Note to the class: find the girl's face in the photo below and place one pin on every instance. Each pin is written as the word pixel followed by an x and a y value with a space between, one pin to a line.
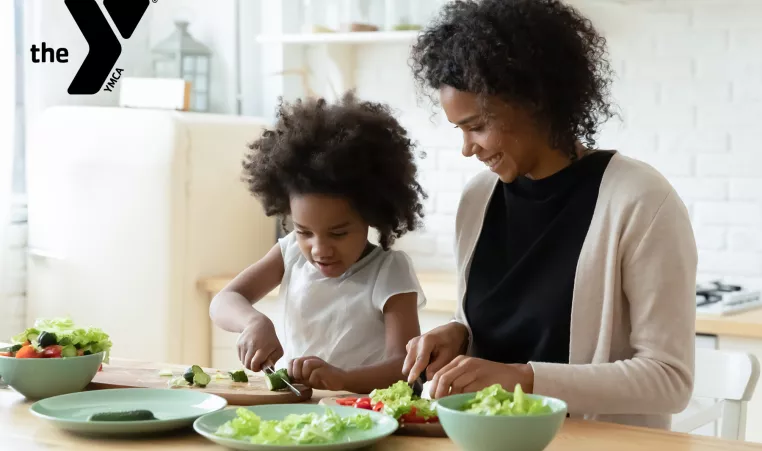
pixel 507 140
pixel 331 234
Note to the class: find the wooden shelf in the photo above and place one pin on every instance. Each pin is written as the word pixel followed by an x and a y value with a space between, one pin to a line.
pixel 375 37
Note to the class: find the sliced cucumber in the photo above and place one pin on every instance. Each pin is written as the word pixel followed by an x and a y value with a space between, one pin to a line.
pixel 13 348
pixel 201 379
pixel 275 381
pixel 165 373
pixel 196 376
pixel 69 351
pixel 130 415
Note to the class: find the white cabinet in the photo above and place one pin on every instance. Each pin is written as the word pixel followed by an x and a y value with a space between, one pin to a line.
pixel 128 209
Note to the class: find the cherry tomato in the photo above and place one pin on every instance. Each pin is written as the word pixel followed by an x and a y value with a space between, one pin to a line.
pixel 52 352
pixel 100 368
pixel 433 420
pixel 80 352
pixel 363 403
pixel 346 401
pixel 379 405
pixel 27 352
pixel 412 419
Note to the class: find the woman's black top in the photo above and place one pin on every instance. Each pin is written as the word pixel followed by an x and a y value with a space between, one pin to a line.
pixel 521 280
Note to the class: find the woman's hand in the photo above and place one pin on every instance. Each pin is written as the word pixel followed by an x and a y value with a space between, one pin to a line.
pixel 469 374
pixel 433 350
pixel 258 344
pixel 317 373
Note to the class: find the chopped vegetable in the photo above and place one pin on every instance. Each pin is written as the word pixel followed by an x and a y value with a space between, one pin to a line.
pixel 398 401
pixel 165 373
pixel 52 351
pixel 63 333
pixel 132 415
pixel 494 400
pixel 275 380
pixel 28 352
pixel 196 376
pixel 69 351
pixel 309 429
pixel 239 376
pixel 46 339
pixel 178 382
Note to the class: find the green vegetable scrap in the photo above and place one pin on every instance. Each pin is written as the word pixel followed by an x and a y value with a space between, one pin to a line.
pixel 309 429
pixel 239 376
pixel 399 400
pixel 494 400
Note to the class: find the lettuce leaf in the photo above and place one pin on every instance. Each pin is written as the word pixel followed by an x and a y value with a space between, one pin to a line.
pixel 398 400
pixel 90 339
pixel 308 429
pixel 494 400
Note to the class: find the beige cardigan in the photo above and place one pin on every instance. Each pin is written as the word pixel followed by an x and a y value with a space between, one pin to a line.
pixel 632 338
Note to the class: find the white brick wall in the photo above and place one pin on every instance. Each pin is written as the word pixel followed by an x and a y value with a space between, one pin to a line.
pixel 689 85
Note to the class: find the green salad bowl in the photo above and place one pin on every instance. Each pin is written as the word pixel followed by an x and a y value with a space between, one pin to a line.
pixel 473 432
pixel 43 378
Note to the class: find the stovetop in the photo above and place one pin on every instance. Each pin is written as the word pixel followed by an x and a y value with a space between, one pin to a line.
pixel 720 298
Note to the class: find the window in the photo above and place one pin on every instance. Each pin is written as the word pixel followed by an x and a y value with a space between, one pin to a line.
pixel 19 155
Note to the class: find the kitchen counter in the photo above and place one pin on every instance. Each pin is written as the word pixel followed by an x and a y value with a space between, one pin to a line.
pixel 439 288
pixel 20 430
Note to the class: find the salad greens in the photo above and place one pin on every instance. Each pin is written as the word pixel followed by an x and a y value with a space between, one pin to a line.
pixel 398 400
pixel 494 400
pixel 63 332
pixel 308 429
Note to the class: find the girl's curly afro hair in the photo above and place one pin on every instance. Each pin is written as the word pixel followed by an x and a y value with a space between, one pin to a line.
pixel 352 149
pixel 540 54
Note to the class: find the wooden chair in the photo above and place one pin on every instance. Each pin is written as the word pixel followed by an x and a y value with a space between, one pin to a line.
pixel 728 379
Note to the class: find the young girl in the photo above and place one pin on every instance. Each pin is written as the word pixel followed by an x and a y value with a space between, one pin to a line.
pixel 350 307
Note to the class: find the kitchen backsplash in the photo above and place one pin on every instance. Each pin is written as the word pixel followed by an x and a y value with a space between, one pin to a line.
pixel 689 88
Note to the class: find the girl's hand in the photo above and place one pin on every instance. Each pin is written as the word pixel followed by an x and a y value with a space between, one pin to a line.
pixel 258 344
pixel 317 373
pixel 433 350
pixel 469 374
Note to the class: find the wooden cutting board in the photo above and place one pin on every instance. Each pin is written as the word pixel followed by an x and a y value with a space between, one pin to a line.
pixel 131 374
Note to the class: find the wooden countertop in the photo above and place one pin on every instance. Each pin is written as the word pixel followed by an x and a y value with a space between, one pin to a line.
pixel 439 288
pixel 20 430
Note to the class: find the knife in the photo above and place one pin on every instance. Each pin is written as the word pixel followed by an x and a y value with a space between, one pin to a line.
pixel 417 385
pixel 269 370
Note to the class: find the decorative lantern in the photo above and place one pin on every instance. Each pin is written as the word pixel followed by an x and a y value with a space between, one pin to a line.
pixel 181 56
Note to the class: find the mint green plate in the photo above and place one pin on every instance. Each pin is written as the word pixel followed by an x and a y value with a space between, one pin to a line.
pixel 384 426
pixel 174 409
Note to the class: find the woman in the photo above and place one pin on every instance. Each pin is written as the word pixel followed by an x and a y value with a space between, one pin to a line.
pixel 576 268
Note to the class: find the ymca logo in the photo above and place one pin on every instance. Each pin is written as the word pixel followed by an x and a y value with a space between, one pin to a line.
pixel 104 46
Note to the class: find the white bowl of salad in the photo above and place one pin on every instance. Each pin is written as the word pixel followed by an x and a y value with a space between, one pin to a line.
pixel 54 357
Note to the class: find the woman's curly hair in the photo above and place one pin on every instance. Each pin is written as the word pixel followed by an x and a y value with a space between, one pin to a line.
pixel 352 149
pixel 540 54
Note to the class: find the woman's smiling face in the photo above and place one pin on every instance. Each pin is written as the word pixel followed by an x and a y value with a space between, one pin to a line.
pixel 505 138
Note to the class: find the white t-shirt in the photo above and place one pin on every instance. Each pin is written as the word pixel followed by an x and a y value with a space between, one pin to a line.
pixel 341 319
